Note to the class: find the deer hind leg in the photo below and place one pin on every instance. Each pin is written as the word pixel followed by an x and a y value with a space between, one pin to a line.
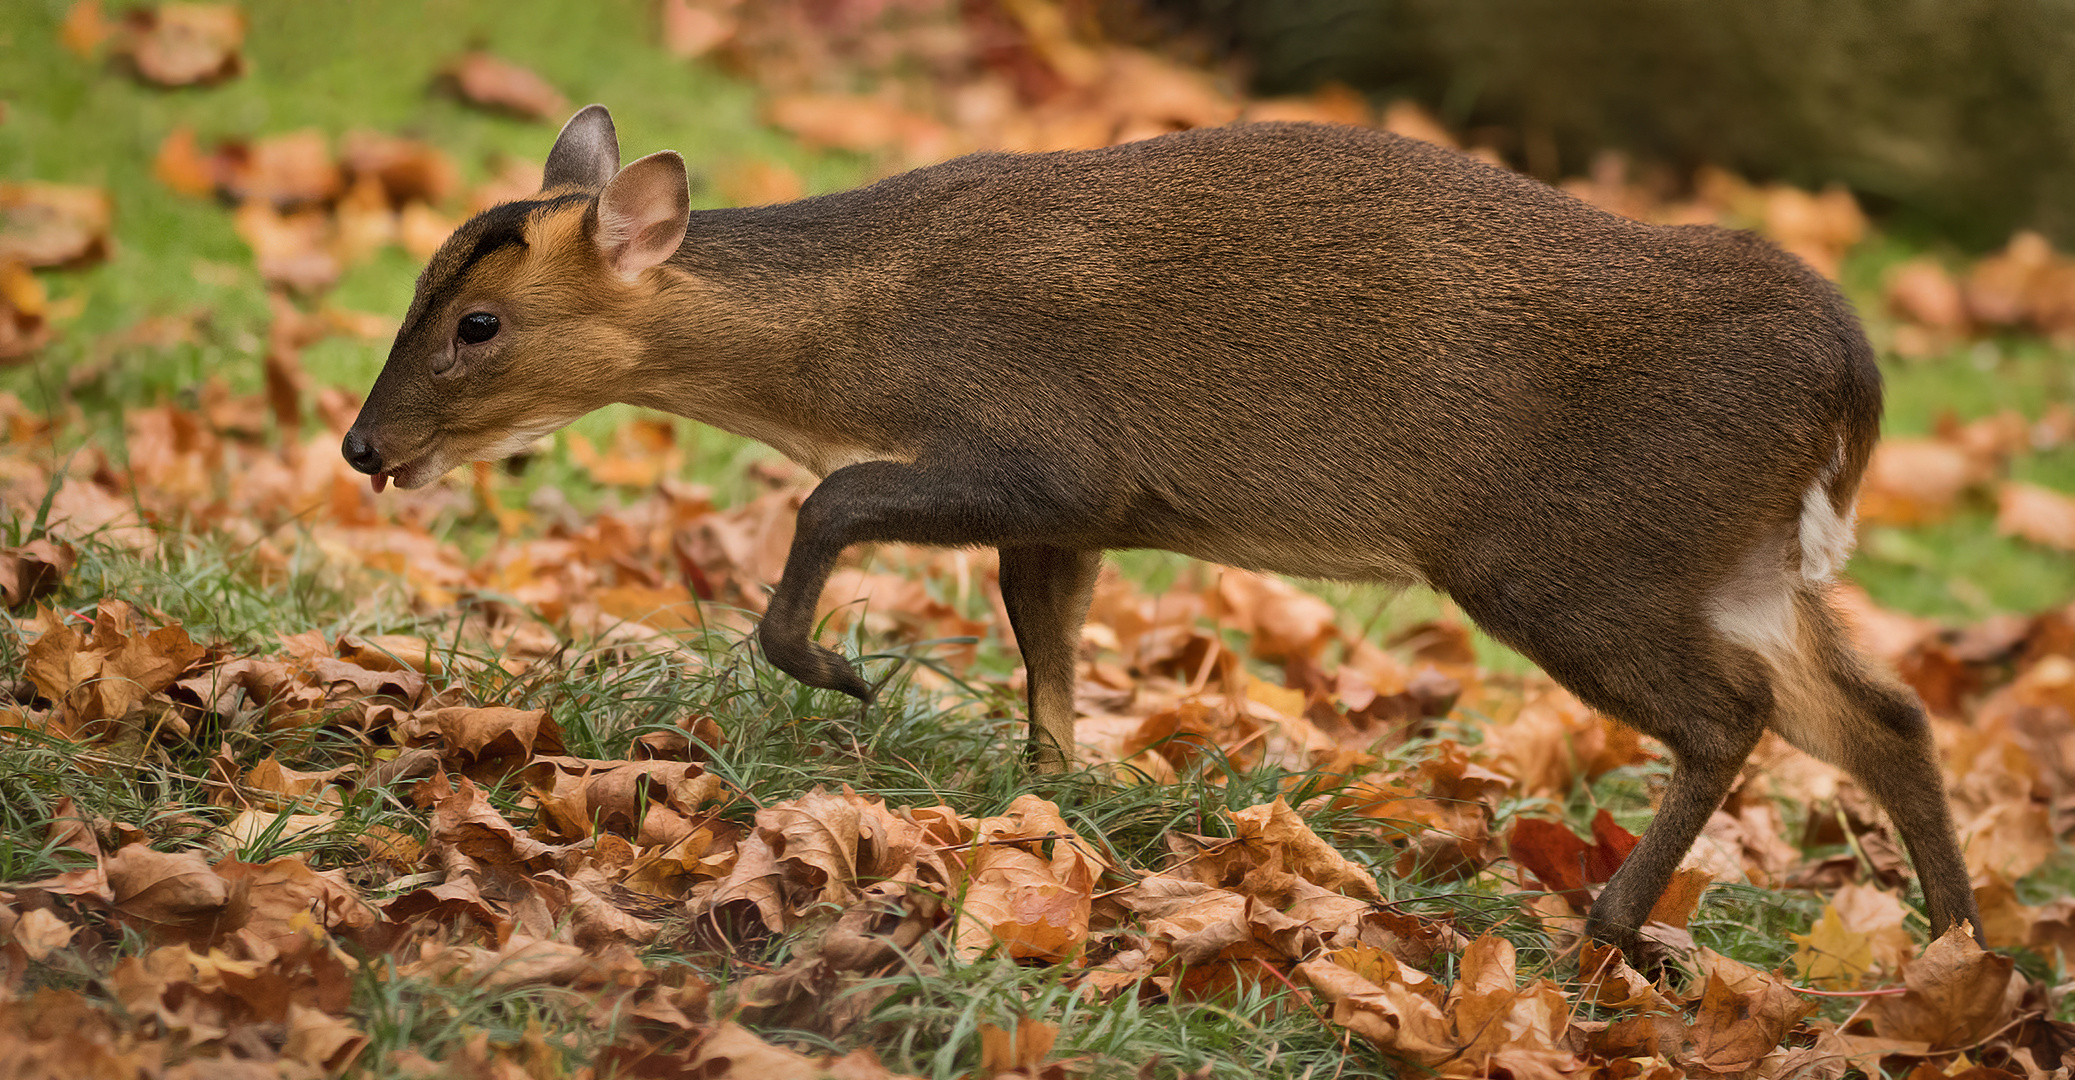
pixel 1666 674
pixel 1047 590
pixel 1833 706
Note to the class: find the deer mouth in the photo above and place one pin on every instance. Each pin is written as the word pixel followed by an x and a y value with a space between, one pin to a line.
pixel 415 473
pixel 437 457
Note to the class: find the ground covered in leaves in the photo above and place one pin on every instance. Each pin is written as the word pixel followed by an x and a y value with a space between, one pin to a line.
pixel 488 779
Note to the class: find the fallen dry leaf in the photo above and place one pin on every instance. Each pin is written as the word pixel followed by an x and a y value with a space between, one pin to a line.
pixel 404 170
pixel 1018 898
pixel 308 788
pixel 1564 864
pixel 174 890
pixel 1223 942
pixel 732 1052
pixel 290 170
pixel 1999 288
pixel 1820 228
pixel 1957 995
pixel 1332 103
pixel 85 28
pixel 818 850
pixel 1492 1013
pixel 1280 619
pixel 181 165
pixel 485 744
pixel 693 28
pixel 179 44
pixel 496 83
pixel 24 310
pixel 1443 812
pixel 1923 292
pixel 1831 955
pixel 464 821
pixel 287 899
pixel 1917 481
pixel 104 676
pixel 60 1035
pixel 527 961
pixel 40 933
pixel 292 250
pixel 1744 1014
pixel 54 225
pixel 1616 985
pixel 1410 119
pixel 34 570
pixel 255 826
pixel 515 179
pixel 1400 1012
pixel 2040 515
pixel 861 125
pixel 1022 1046
pixel 1273 837
pixel 759 182
pixel 1879 915
pixel 320 1040
pixel 421 229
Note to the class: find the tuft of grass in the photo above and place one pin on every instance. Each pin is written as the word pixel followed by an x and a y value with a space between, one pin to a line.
pixel 409 1018
pixel 38 772
pixel 1751 924
pixel 929 1025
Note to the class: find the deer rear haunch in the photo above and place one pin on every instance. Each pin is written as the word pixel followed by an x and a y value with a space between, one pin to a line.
pixel 1629 451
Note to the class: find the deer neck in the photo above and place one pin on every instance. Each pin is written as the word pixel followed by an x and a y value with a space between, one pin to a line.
pixel 752 330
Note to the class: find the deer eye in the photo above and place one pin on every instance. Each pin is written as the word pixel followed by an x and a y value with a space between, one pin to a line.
pixel 477 327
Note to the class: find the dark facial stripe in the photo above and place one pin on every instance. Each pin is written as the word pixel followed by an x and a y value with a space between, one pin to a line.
pixel 495 229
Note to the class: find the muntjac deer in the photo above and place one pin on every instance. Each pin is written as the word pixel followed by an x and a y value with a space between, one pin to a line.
pixel 1628 451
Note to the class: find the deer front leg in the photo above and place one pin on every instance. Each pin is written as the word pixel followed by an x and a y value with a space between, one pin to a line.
pixel 881 501
pixel 1046 590
pixel 1704 770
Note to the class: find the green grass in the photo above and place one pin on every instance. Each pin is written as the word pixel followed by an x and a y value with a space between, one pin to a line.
pixel 929 1026
pixel 424 1018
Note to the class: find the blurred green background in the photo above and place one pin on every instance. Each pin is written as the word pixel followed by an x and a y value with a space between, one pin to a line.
pixel 1953 117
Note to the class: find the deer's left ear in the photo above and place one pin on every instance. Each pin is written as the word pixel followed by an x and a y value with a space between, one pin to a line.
pixel 586 154
pixel 642 214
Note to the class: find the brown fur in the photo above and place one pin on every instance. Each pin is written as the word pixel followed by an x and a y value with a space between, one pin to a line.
pixel 1313 350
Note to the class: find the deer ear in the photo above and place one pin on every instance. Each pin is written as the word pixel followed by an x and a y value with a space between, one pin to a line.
pixel 586 154
pixel 642 214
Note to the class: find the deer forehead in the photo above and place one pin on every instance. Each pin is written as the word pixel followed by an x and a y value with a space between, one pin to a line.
pixel 514 249
pixel 559 247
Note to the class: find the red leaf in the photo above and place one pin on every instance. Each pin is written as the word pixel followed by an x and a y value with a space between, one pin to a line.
pixel 1553 855
pixel 1610 848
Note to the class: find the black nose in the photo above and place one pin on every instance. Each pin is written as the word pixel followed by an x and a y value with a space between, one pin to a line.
pixel 361 454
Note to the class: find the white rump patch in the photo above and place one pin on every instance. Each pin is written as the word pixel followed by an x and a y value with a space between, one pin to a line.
pixel 1827 537
pixel 1755 608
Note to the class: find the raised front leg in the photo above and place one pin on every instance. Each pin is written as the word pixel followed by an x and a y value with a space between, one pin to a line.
pixel 880 501
pixel 1047 590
